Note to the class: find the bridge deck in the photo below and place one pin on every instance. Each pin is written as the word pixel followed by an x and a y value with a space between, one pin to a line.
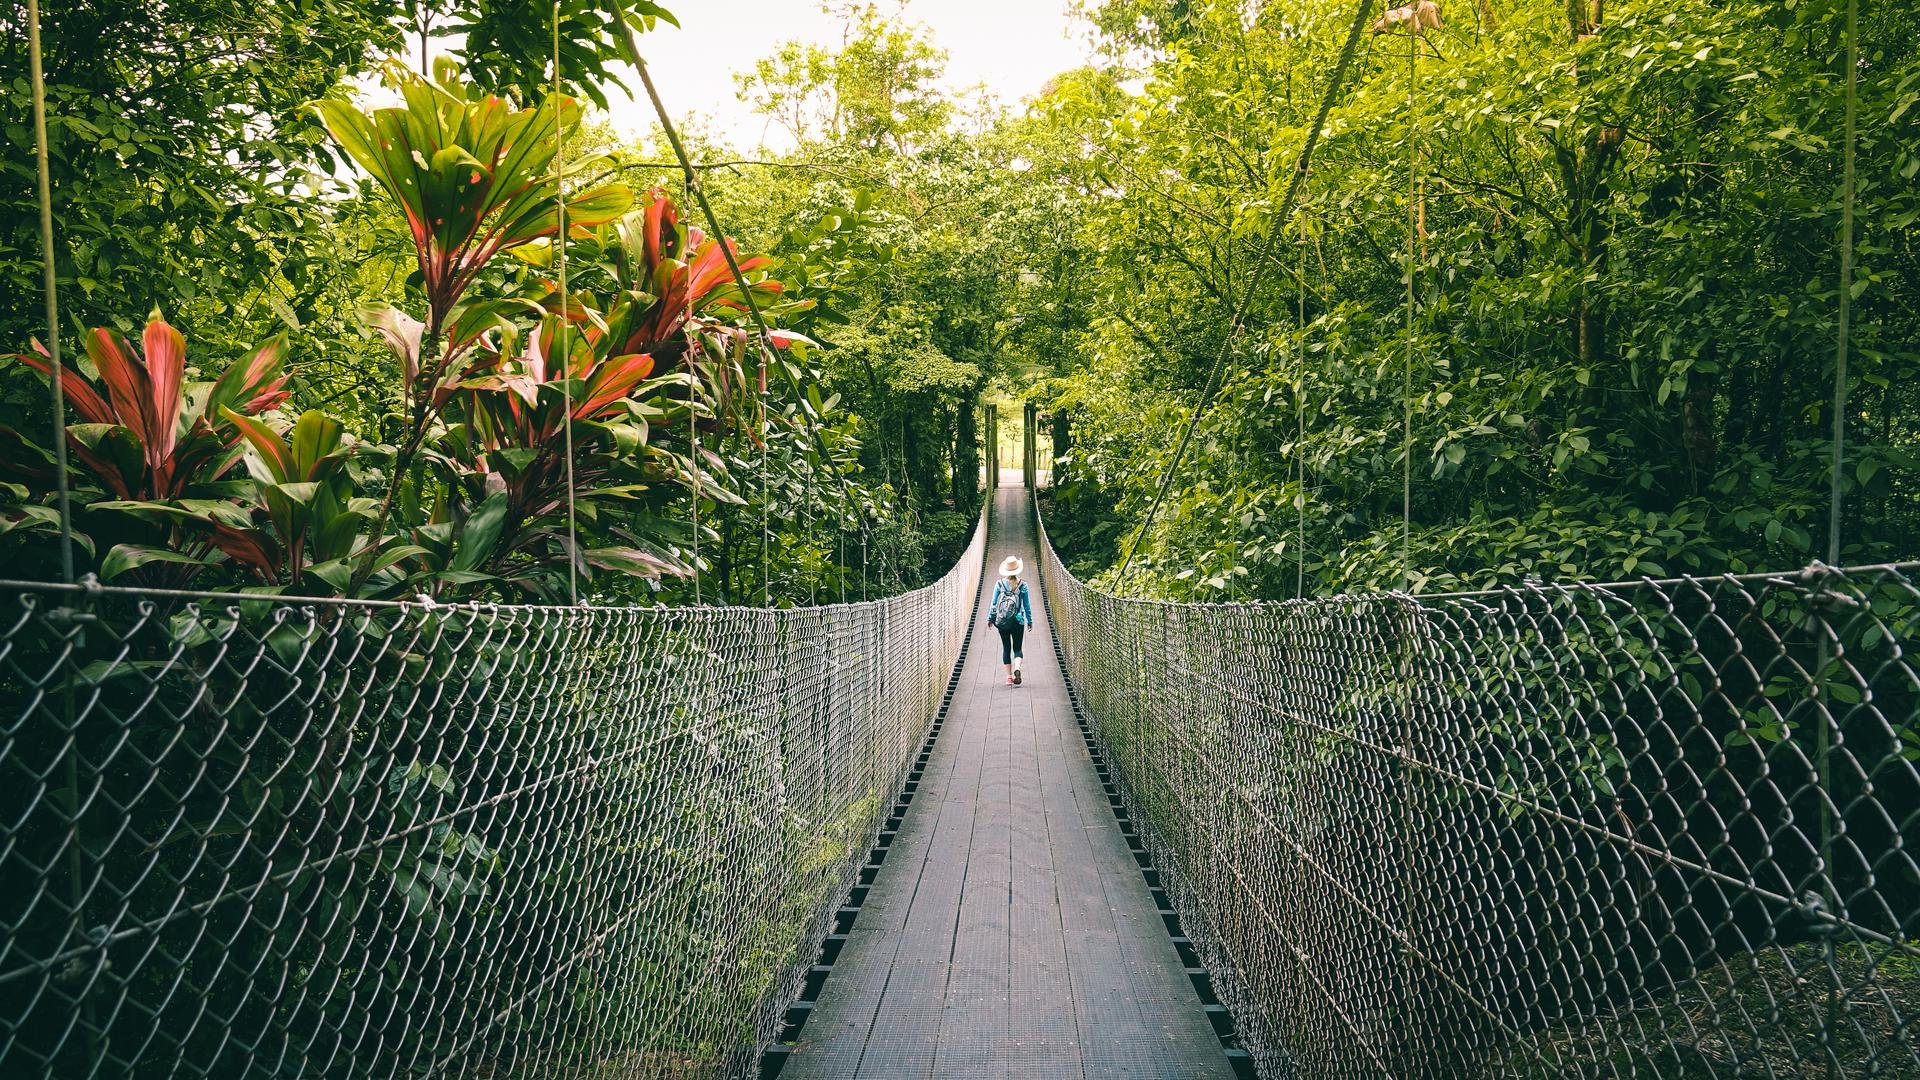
pixel 1009 933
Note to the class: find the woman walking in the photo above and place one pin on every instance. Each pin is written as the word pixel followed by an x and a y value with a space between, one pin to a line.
pixel 1010 612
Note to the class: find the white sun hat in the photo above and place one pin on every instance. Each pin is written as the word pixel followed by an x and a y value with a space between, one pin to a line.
pixel 1012 566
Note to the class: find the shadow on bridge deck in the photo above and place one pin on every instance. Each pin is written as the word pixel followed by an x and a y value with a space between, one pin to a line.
pixel 1009 933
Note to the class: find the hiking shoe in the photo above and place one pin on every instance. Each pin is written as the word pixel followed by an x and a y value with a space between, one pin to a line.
pixel 1009 680
pixel 1016 676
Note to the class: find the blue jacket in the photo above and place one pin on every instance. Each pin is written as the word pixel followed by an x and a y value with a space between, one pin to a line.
pixel 1025 609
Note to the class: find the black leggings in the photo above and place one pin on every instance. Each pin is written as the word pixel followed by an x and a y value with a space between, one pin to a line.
pixel 1010 640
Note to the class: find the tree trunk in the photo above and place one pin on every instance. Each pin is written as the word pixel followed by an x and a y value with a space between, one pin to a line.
pixel 909 455
pixel 966 463
pixel 1585 168
pixel 1697 429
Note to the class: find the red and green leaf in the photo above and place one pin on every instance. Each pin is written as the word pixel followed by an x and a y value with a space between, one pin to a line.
pixel 166 363
pixel 473 176
pixel 135 437
pixel 74 386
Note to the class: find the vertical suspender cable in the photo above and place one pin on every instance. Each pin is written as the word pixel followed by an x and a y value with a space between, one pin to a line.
pixel 693 460
pixel 561 343
pixel 1300 433
pixel 766 500
pixel 1829 722
pixel 76 865
pixel 43 180
pixel 1413 238
pixel 1408 609
pixel 1836 478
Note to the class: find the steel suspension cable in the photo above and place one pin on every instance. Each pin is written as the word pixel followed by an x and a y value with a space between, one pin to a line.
pixel 694 448
pixel 1263 259
pixel 693 186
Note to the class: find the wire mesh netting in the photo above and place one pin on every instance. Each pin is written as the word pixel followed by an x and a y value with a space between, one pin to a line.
pixel 1660 828
pixel 250 837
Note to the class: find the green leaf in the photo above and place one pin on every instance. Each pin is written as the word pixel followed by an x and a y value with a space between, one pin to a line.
pixel 315 437
pixel 125 557
pixel 631 561
pixel 480 533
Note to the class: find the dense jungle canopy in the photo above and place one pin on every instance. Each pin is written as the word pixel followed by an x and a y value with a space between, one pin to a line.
pixel 1616 358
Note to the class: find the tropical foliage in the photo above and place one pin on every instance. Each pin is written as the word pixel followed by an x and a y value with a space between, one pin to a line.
pixel 158 448
pixel 1623 225
pixel 545 436
pixel 1620 361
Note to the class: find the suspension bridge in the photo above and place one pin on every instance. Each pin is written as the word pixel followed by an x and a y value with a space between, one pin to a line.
pixel 1649 828
pixel 1642 828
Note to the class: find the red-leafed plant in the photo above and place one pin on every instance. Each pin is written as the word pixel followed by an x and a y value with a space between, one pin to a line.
pixel 145 438
pixel 671 279
pixel 152 439
pixel 522 401
pixel 515 406
pixel 302 483
pixel 474 177
pixel 669 294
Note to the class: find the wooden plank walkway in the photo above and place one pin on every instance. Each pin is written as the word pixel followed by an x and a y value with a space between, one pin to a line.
pixel 1009 933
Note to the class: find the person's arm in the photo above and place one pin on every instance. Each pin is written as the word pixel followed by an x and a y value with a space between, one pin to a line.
pixel 1026 608
pixel 994 601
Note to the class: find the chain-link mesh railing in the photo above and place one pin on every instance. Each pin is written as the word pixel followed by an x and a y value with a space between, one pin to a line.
pixel 250 837
pixel 1646 829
